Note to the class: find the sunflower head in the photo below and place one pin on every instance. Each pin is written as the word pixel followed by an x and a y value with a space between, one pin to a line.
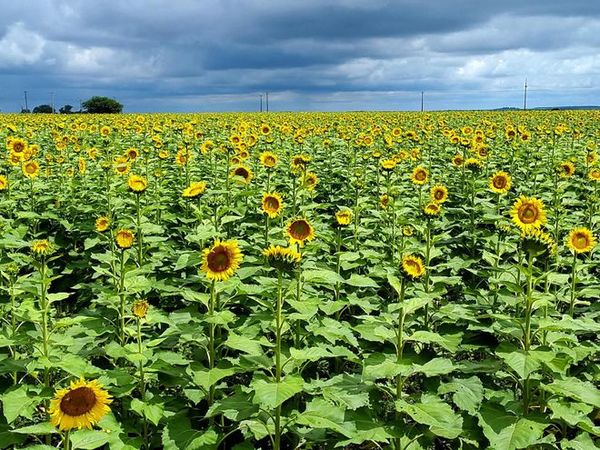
pixel 581 240
pixel 102 224
pixel 419 175
pixel 31 169
pixel 281 258
pixel 3 183
pixel 412 267
pixel 41 247
pixel 194 190
pixel 566 169
pixel 407 230
pixel 220 261
pixel 137 183
pixel 537 242
pixel 594 175
pixel 81 405
pixel 384 201
pixel 500 182
pixel 458 160
pixel 299 162
pixel 432 209
pixel 299 231
pixel 388 165
pixel 310 181
pixel 140 308
pixel 473 164
pixel 343 217
pixel 268 159
pixel 528 213
pixel 242 173
pixel 124 238
pixel 439 194
pixel 272 204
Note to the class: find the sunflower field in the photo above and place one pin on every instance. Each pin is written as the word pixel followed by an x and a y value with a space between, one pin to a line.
pixel 300 281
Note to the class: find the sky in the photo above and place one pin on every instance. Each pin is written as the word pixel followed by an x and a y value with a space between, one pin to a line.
pixel 310 55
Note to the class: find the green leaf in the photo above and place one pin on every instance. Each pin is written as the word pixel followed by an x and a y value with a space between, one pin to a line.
pixel 20 401
pixel 37 429
pixel 467 393
pixel 243 344
pixel 270 394
pixel 151 411
pixel 88 439
pixel 361 281
pixel 236 407
pixel 518 360
pixel 322 414
pixel 435 367
pixel 322 276
pixel 448 341
pixel 207 378
pixel 436 414
pixel 582 391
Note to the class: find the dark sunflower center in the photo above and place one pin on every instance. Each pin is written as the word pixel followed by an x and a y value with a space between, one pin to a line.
pixel 218 260
pixel 271 204
pixel 300 230
pixel 30 168
pixel 420 175
pixel 18 147
pixel 78 401
pixel 528 213
pixel 439 195
pixel 499 182
pixel 241 172
pixel 269 161
pixel 580 241
pixel 413 267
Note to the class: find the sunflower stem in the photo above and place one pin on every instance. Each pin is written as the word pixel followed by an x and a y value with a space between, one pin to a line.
pixel 573 281
pixel 142 382
pixel 278 368
pixel 67 440
pixel 211 340
pixel 399 353
pixel 138 225
pixel 122 296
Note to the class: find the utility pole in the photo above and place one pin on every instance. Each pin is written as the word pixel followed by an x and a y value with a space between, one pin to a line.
pixel 422 101
pixel 26 107
pixel 261 102
pixel 52 101
pixel 267 98
pixel 525 96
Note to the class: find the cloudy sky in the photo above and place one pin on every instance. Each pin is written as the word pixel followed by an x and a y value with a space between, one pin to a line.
pixel 219 55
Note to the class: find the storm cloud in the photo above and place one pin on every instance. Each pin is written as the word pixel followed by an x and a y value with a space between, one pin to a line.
pixel 212 55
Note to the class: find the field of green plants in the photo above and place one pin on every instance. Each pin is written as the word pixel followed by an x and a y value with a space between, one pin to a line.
pixel 300 281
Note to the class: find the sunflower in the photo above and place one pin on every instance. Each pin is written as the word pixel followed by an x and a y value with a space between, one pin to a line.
pixel 41 247
pixel 206 147
pixel 102 223
pixel 500 182
pixel 124 238
pixel 299 162
pixel 244 173
pixel 419 175
pixel 566 169
pixel 17 145
pixel 121 165
pixel 413 267
pixel 31 169
pixel 194 190
pixel 432 209
pixel 132 153
pixel 310 181
pixel 537 242
pixel 268 159
pixel 384 201
pixel 407 230
pixel 105 131
pixel 140 308
pixel 220 261
pixel 594 175
pixel 581 240
pixel 137 184
pixel 3 183
pixel 282 258
pixel 387 164
pixel 528 212
pixel 272 204
pixel 439 194
pixel 473 163
pixel 265 129
pixel 343 217
pixel 81 405
pixel 299 231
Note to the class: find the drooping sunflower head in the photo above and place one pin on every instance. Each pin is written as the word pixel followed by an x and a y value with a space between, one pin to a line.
pixel 343 217
pixel 41 247
pixel 310 181
pixel 528 213
pixel 537 242
pixel 566 169
pixel 412 267
pixel 31 169
pixel 242 173
pixel 384 201
pixel 473 164
pixel 268 159
pixel 81 405
pixel 124 238
pixel 272 204
pixel 299 231
pixel 282 258
pixel 439 194
pixel 419 175
pixel 3 183
pixel 594 175
pixel 581 240
pixel 194 190
pixel 220 261
pixel 388 164
pixel 102 224
pixel 500 182
pixel 140 308
pixel 432 209
pixel 121 165
pixel 137 183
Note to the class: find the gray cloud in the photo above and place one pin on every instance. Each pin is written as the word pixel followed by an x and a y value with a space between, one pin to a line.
pixel 189 55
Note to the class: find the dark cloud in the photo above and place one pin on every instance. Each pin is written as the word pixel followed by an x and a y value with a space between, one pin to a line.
pixel 316 54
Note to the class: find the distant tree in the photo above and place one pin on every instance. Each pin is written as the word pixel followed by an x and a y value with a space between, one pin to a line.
pixel 25 111
pixel 102 105
pixel 67 109
pixel 43 109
